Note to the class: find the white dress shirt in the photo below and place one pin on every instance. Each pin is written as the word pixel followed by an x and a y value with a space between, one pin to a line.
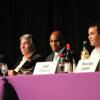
pixel 20 65
pixel 95 54
pixel 56 55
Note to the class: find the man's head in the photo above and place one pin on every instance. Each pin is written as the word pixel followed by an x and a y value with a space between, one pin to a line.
pixel 56 41
pixel 27 44
pixel 94 34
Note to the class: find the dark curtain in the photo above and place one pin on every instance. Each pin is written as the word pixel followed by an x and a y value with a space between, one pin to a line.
pixel 40 17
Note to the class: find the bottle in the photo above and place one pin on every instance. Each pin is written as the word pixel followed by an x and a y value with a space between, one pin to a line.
pixel 84 52
pixel 60 66
pixel 74 65
pixel 68 60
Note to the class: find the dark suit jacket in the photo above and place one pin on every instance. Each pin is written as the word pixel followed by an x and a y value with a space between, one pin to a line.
pixel 98 66
pixel 35 57
pixel 50 57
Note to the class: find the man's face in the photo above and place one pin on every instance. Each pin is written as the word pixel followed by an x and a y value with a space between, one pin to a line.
pixel 54 43
pixel 94 36
pixel 25 46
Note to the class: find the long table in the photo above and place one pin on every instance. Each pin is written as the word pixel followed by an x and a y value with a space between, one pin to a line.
pixel 73 86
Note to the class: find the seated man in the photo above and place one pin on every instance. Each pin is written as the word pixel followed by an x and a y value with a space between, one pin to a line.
pixel 57 44
pixel 30 54
pixel 94 38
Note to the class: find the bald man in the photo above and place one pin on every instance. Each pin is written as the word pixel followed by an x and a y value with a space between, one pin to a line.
pixel 57 43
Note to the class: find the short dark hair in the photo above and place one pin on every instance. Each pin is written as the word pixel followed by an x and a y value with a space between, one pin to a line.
pixel 97 24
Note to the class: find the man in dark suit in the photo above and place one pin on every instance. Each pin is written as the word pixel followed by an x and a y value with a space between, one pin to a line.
pixel 30 54
pixel 57 43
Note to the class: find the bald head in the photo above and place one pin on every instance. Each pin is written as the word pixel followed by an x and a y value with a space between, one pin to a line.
pixel 57 41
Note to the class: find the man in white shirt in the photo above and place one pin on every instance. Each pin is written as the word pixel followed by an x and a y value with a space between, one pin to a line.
pixel 94 38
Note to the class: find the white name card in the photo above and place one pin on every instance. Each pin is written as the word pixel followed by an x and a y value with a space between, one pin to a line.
pixel 45 68
pixel 86 65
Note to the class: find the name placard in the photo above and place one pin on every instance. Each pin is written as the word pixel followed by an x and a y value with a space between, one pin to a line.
pixel 45 68
pixel 86 65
